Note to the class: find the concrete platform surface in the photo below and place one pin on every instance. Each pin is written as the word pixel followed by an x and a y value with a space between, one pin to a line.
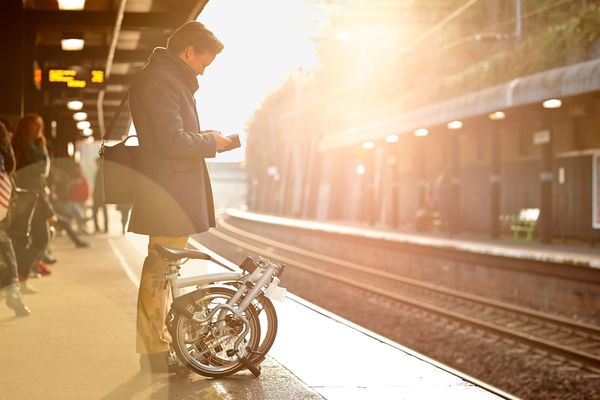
pixel 79 342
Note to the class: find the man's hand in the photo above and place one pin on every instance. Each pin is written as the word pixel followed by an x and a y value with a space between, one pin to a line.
pixel 220 140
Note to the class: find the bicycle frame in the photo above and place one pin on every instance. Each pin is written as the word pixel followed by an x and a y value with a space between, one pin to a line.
pixel 249 282
pixel 196 280
pixel 258 277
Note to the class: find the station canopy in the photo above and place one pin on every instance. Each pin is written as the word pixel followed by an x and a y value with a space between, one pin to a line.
pixel 560 83
pixel 89 50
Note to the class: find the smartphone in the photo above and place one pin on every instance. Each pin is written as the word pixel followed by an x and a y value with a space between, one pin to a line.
pixel 235 143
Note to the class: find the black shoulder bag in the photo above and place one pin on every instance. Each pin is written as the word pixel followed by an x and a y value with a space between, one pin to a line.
pixel 119 165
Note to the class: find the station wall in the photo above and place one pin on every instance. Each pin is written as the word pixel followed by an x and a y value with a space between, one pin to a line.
pixel 387 186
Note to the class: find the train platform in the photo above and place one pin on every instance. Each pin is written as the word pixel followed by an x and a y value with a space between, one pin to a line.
pixel 79 343
pixel 581 256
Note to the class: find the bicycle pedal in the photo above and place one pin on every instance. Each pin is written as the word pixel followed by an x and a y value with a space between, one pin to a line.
pixel 257 357
pixel 255 369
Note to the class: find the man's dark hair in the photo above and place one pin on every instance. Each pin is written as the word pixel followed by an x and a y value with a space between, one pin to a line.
pixel 195 34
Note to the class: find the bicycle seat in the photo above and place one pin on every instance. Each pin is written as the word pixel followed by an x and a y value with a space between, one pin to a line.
pixel 171 254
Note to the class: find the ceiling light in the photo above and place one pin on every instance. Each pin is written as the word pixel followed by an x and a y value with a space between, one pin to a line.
pixel 71 4
pixel 75 105
pixel 552 103
pixel 368 145
pixel 83 124
pixel 421 132
pixel 70 149
pixel 455 125
pixel 392 138
pixel 80 116
pixel 88 132
pixel 72 44
pixel 497 116
pixel 360 169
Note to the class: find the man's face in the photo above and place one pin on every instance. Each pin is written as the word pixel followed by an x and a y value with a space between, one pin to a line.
pixel 197 61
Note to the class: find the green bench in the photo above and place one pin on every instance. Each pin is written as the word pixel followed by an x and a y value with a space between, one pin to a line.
pixel 525 222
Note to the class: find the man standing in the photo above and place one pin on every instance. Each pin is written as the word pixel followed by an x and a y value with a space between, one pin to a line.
pixel 173 196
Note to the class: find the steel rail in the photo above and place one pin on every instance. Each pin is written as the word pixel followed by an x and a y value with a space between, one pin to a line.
pixel 588 330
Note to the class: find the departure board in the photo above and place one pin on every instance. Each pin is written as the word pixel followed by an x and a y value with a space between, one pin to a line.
pixel 75 78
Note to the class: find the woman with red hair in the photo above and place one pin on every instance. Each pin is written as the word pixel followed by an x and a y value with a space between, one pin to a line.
pixel 33 166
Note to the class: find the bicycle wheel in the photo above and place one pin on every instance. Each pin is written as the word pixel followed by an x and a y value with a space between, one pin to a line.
pixel 209 348
pixel 267 316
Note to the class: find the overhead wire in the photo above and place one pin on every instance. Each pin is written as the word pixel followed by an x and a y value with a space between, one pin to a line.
pixel 465 6
pixel 508 21
pixel 451 16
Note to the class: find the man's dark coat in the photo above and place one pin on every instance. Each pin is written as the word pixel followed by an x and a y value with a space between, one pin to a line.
pixel 173 196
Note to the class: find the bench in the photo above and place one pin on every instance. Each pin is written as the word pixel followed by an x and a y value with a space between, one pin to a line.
pixel 525 221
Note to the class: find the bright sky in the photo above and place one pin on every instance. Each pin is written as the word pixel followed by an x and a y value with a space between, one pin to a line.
pixel 265 41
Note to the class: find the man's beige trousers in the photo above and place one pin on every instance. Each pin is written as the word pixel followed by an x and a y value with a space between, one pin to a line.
pixel 153 297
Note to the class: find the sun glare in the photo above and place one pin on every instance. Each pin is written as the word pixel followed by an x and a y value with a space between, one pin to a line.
pixel 265 41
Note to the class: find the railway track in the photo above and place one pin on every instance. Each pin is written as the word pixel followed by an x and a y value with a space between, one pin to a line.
pixel 572 340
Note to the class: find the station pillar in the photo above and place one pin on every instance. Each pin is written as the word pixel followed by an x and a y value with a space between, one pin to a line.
pixel 543 139
pixel 455 214
pixel 369 206
pixel 392 164
pixel 495 128
pixel 12 71
pixel 420 160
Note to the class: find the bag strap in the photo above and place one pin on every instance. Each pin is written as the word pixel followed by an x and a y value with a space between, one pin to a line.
pixel 115 117
pixel 113 121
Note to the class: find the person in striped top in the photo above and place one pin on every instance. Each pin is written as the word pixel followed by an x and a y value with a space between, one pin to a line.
pixel 8 267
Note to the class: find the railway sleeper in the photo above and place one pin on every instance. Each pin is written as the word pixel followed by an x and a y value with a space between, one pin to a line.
pixel 574 340
pixel 591 346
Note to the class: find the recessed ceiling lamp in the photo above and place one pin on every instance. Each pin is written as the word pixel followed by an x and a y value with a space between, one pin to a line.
pixel 421 132
pixel 552 103
pixel 70 149
pixel 455 125
pixel 88 132
pixel 342 35
pixel 71 4
pixel 497 116
pixel 75 105
pixel 392 138
pixel 80 116
pixel 83 124
pixel 72 44
pixel 368 145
